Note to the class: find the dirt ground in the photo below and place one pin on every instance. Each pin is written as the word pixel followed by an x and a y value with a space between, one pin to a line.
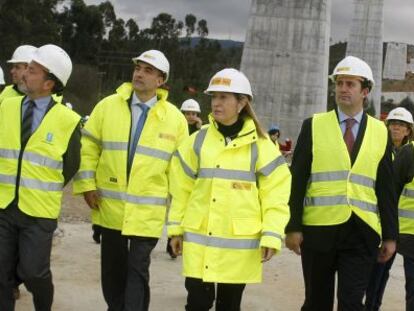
pixel 75 267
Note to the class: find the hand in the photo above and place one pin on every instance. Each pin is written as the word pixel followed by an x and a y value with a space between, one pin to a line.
pixel 92 198
pixel 267 253
pixel 176 244
pixel 198 122
pixel 386 250
pixel 293 241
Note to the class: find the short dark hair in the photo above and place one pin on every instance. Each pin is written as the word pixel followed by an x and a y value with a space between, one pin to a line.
pixel 58 87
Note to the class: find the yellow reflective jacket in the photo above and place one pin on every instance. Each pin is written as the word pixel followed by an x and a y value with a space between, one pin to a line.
pixel 134 204
pixel 227 202
pixel 335 188
pixel 8 91
pixel 406 208
pixel 41 177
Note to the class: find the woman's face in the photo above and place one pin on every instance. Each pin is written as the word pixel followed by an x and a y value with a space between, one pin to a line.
pixel 399 130
pixel 225 107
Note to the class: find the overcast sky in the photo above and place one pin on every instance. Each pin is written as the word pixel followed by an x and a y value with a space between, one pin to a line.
pixel 227 19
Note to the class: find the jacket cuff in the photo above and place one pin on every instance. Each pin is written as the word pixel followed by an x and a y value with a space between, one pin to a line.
pixel 271 240
pixel 174 230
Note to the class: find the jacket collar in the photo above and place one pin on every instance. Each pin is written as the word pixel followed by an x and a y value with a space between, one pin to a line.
pixel 160 108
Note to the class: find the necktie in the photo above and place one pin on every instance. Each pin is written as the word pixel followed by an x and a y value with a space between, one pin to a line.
pixel 137 134
pixel 348 135
pixel 27 121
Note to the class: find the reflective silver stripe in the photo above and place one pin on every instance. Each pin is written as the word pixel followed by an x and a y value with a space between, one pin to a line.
pixel 114 145
pixel 84 175
pixel 163 155
pixel 221 242
pixel 90 136
pixel 226 174
pixel 268 233
pixel 111 194
pixel 40 185
pixel 146 200
pixel 42 160
pixel 362 180
pixel 408 193
pixel 31 157
pixel 269 168
pixel 253 157
pixel 369 207
pixel 7 179
pixel 184 165
pixel 329 176
pixel 343 175
pixel 340 200
pixel 406 214
pixel 173 223
pixel 132 198
pixel 198 142
pixel 326 201
pixel 9 153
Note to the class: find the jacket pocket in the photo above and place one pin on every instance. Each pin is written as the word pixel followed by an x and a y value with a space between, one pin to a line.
pixel 246 226
pixel 192 221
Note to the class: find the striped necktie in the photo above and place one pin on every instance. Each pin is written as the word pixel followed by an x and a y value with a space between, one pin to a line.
pixel 27 121
pixel 348 135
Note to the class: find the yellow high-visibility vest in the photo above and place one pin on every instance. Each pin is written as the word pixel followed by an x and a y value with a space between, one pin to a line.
pixel 406 208
pixel 335 188
pixel 41 177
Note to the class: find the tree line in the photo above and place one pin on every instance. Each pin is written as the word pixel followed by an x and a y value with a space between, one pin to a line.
pixel 101 46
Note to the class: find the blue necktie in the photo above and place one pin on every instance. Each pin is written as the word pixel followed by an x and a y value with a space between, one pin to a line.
pixel 137 134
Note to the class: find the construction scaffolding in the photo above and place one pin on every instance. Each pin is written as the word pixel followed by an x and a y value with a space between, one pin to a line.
pixel 285 56
pixel 365 41
pixel 395 65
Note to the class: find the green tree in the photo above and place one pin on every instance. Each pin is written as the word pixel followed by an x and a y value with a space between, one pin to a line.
pixel 27 22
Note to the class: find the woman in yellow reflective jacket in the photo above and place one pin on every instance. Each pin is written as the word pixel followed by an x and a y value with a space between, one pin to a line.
pixel 230 186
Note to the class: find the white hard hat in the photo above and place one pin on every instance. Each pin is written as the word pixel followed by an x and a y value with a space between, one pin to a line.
pixel 190 105
pixel 23 54
pixel 54 59
pixel 155 58
pixel 2 82
pixel 229 80
pixel 401 114
pixel 353 66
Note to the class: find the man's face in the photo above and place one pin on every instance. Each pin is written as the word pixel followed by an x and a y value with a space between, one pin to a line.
pixel 146 78
pixel 349 92
pixel 17 71
pixel 35 80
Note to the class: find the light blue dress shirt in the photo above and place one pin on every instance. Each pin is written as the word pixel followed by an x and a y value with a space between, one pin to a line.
pixel 136 113
pixel 39 109
pixel 342 122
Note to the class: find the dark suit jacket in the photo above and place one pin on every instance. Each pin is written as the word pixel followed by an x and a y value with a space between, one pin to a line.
pixel 323 237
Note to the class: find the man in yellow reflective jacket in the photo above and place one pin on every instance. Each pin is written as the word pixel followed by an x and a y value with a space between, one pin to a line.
pixel 127 145
pixel 343 201
pixel 39 154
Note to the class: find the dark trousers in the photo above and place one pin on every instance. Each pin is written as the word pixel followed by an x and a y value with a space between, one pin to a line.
pixel 125 265
pixel 201 295
pixel 25 247
pixel 351 259
pixel 409 283
pixel 377 284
